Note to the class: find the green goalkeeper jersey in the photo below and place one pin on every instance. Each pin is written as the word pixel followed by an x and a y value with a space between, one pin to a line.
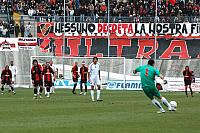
pixel 147 74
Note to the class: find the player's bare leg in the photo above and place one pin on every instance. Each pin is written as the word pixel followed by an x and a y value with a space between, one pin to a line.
pixel 191 90
pixel 92 93
pixel 99 93
pixel 186 91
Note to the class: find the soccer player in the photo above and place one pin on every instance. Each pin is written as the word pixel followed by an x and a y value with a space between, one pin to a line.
pixel 6 79
pixel 94 78
pixel 147 74
pixel 52 89
pixel 75 76
pixel 48 72
pixel 188 80
pixel 84 74
pixel 36 75
pixel 14 73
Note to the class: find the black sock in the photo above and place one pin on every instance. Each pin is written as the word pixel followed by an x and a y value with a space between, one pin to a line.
pixel 35 91
pixel 41 90
pixel 85 87
pixel 12 88
pixel 74 87
pixel 2 88
pixel 191 91
pixel 186 92
pixel 81 87
pixel 48 89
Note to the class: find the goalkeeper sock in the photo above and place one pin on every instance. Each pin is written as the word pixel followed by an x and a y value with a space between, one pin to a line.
pixel 92 94
pixel 166 103
pixel 98 94
pixel 157 104
pixel 191 91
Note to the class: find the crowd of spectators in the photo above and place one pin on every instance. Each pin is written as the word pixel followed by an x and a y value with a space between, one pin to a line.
pixel 3 29
pixel 13 29
pixel 126 8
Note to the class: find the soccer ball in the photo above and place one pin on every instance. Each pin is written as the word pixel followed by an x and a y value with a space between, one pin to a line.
pixel 173 105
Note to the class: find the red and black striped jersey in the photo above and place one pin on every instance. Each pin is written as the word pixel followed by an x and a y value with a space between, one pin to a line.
pixel 6 75
pixel 84 73
pixel 187 74
pixel 36 73
pixel 47 72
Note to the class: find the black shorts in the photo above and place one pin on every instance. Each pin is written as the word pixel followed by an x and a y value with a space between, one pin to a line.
pixel 6 82
pixel 38 83
pixel 187 82
pixel 48 83
pixel 75 79
pixel 84 81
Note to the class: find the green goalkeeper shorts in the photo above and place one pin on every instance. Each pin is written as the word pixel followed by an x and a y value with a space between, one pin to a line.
pixel 151 92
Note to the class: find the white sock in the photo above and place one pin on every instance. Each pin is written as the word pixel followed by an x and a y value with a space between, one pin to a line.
pixel 45 90
pixel 92 94
pixel 157 104
pixel 166 103
pixel 53 89
pixel 98 94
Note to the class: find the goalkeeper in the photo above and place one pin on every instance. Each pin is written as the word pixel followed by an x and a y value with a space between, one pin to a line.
pixel 147 74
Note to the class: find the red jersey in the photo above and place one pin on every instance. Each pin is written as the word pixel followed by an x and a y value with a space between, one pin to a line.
pixel 187 75
pixel 83 73
pixel 6 75
pixel 75 71
pixel 36 73
pixel 47 72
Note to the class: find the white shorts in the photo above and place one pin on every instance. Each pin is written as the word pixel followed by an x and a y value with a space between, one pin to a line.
pixel 95 81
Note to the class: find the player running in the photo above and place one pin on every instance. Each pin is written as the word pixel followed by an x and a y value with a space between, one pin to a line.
pixel 75 76
pixel 84 74
pixel 48 72
pixel 52 89
pixel 147 74
pixel 36 76
pixel 188 80
pixel 14 73
pixel 6 79
pixel 94 78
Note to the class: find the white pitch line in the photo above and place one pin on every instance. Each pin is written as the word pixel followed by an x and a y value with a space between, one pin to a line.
pixel 11 98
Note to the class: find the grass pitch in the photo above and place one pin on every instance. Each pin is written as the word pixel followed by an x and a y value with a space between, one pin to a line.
pixel 120 112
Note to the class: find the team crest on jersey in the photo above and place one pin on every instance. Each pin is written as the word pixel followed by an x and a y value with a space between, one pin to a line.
pixel 45 28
